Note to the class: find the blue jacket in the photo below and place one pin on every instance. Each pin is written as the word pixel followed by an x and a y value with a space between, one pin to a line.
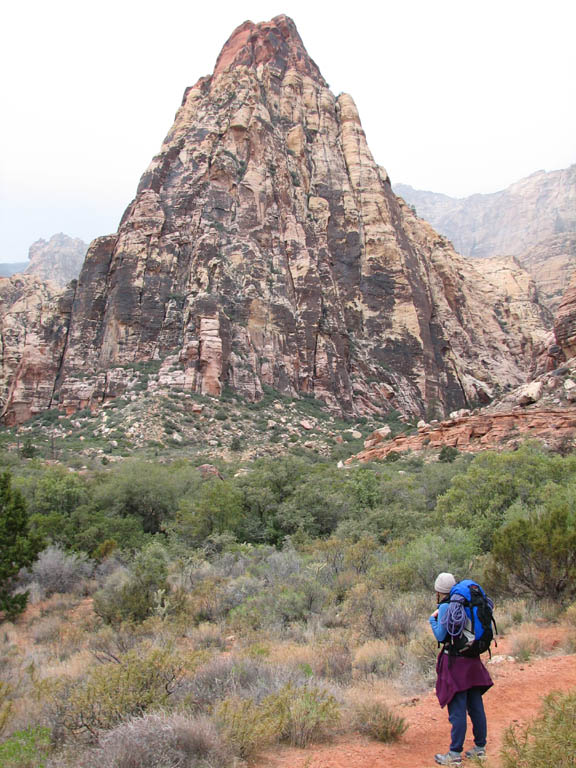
pixel 438 628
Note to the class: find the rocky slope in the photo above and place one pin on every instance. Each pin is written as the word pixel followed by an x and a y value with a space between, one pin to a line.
pixel 265 247
pixel 533 220
pixel 59 259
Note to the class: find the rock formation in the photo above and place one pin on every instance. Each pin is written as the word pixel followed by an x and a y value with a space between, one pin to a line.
pixel 533 220
pixel 59 259
pixel 265 247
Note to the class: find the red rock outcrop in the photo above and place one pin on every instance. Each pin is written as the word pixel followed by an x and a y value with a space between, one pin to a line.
pixel 478 432
pixel 265 247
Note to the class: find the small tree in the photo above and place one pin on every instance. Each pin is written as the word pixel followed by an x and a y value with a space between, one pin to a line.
pixel 17 547
pixel 537 555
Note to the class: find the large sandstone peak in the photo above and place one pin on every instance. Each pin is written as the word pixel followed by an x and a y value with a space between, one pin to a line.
pixel 265 247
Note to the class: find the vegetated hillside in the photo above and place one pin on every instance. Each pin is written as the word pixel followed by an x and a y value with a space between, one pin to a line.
pixel 265 248
pixel 533 220
pixel 275 602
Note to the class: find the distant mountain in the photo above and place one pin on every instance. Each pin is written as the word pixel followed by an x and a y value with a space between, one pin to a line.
pixel 533 220
pixel 59 259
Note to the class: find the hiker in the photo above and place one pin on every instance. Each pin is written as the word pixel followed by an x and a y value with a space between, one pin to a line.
pixel 461 682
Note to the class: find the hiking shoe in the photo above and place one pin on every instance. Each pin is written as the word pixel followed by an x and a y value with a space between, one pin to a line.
pixel 450 758
pixel 479 752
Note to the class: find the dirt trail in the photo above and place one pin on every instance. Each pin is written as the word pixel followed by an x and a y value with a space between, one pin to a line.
pixel 515 698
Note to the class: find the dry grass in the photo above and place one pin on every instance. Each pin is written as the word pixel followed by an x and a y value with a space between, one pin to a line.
pixel 526 646
pixel 570 615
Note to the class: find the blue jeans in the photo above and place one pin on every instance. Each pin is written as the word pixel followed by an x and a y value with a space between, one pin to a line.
pixel 467 701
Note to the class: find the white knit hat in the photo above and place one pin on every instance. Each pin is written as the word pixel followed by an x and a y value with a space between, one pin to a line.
pixel 444 583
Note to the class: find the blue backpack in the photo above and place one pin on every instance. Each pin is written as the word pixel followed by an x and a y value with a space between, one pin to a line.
pixel 468 620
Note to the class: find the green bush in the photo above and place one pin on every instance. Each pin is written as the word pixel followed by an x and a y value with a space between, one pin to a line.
pixel 537 556
pixel 447 453
pixel 549 740
pixel 245 726
pixel 28 748
pixel 134 594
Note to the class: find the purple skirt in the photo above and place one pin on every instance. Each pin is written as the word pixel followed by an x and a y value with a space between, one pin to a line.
pixel 458 673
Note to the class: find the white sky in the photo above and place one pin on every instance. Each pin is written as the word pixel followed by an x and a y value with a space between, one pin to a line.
pixel 457 96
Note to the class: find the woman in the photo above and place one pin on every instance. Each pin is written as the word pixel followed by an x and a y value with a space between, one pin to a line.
pixel 460 684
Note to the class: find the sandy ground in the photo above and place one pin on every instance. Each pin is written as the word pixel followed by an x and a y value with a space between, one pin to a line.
pixel 515 698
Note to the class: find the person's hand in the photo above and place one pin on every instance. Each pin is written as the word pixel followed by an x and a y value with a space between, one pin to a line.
pixel 435 614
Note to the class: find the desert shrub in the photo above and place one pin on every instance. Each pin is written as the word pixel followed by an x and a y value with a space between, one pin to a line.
pixel 47 630
pixel 136 593
pixel 334 661
pixel 113 691
pixel 112 641
pixel 278 606
pixel 279 567
pixel 377 720
pixel 304 714
pixel 549 739
pixel 207 601
pixel 208 635
pixel 418 657
pixel 416 565
pixel 245 726
pixel 377 657
pixel 230 676
pixel 365 607
pixel 60 571
pixel 526 646
pixel 28 748
pixel 236 591
pixel 166 740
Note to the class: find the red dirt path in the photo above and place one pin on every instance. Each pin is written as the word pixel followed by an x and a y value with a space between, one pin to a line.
pixel 515 698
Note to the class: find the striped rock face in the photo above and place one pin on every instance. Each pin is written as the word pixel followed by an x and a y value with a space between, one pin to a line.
pixel 265 247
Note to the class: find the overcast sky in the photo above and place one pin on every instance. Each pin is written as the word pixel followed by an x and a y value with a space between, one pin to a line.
pixel 457 96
